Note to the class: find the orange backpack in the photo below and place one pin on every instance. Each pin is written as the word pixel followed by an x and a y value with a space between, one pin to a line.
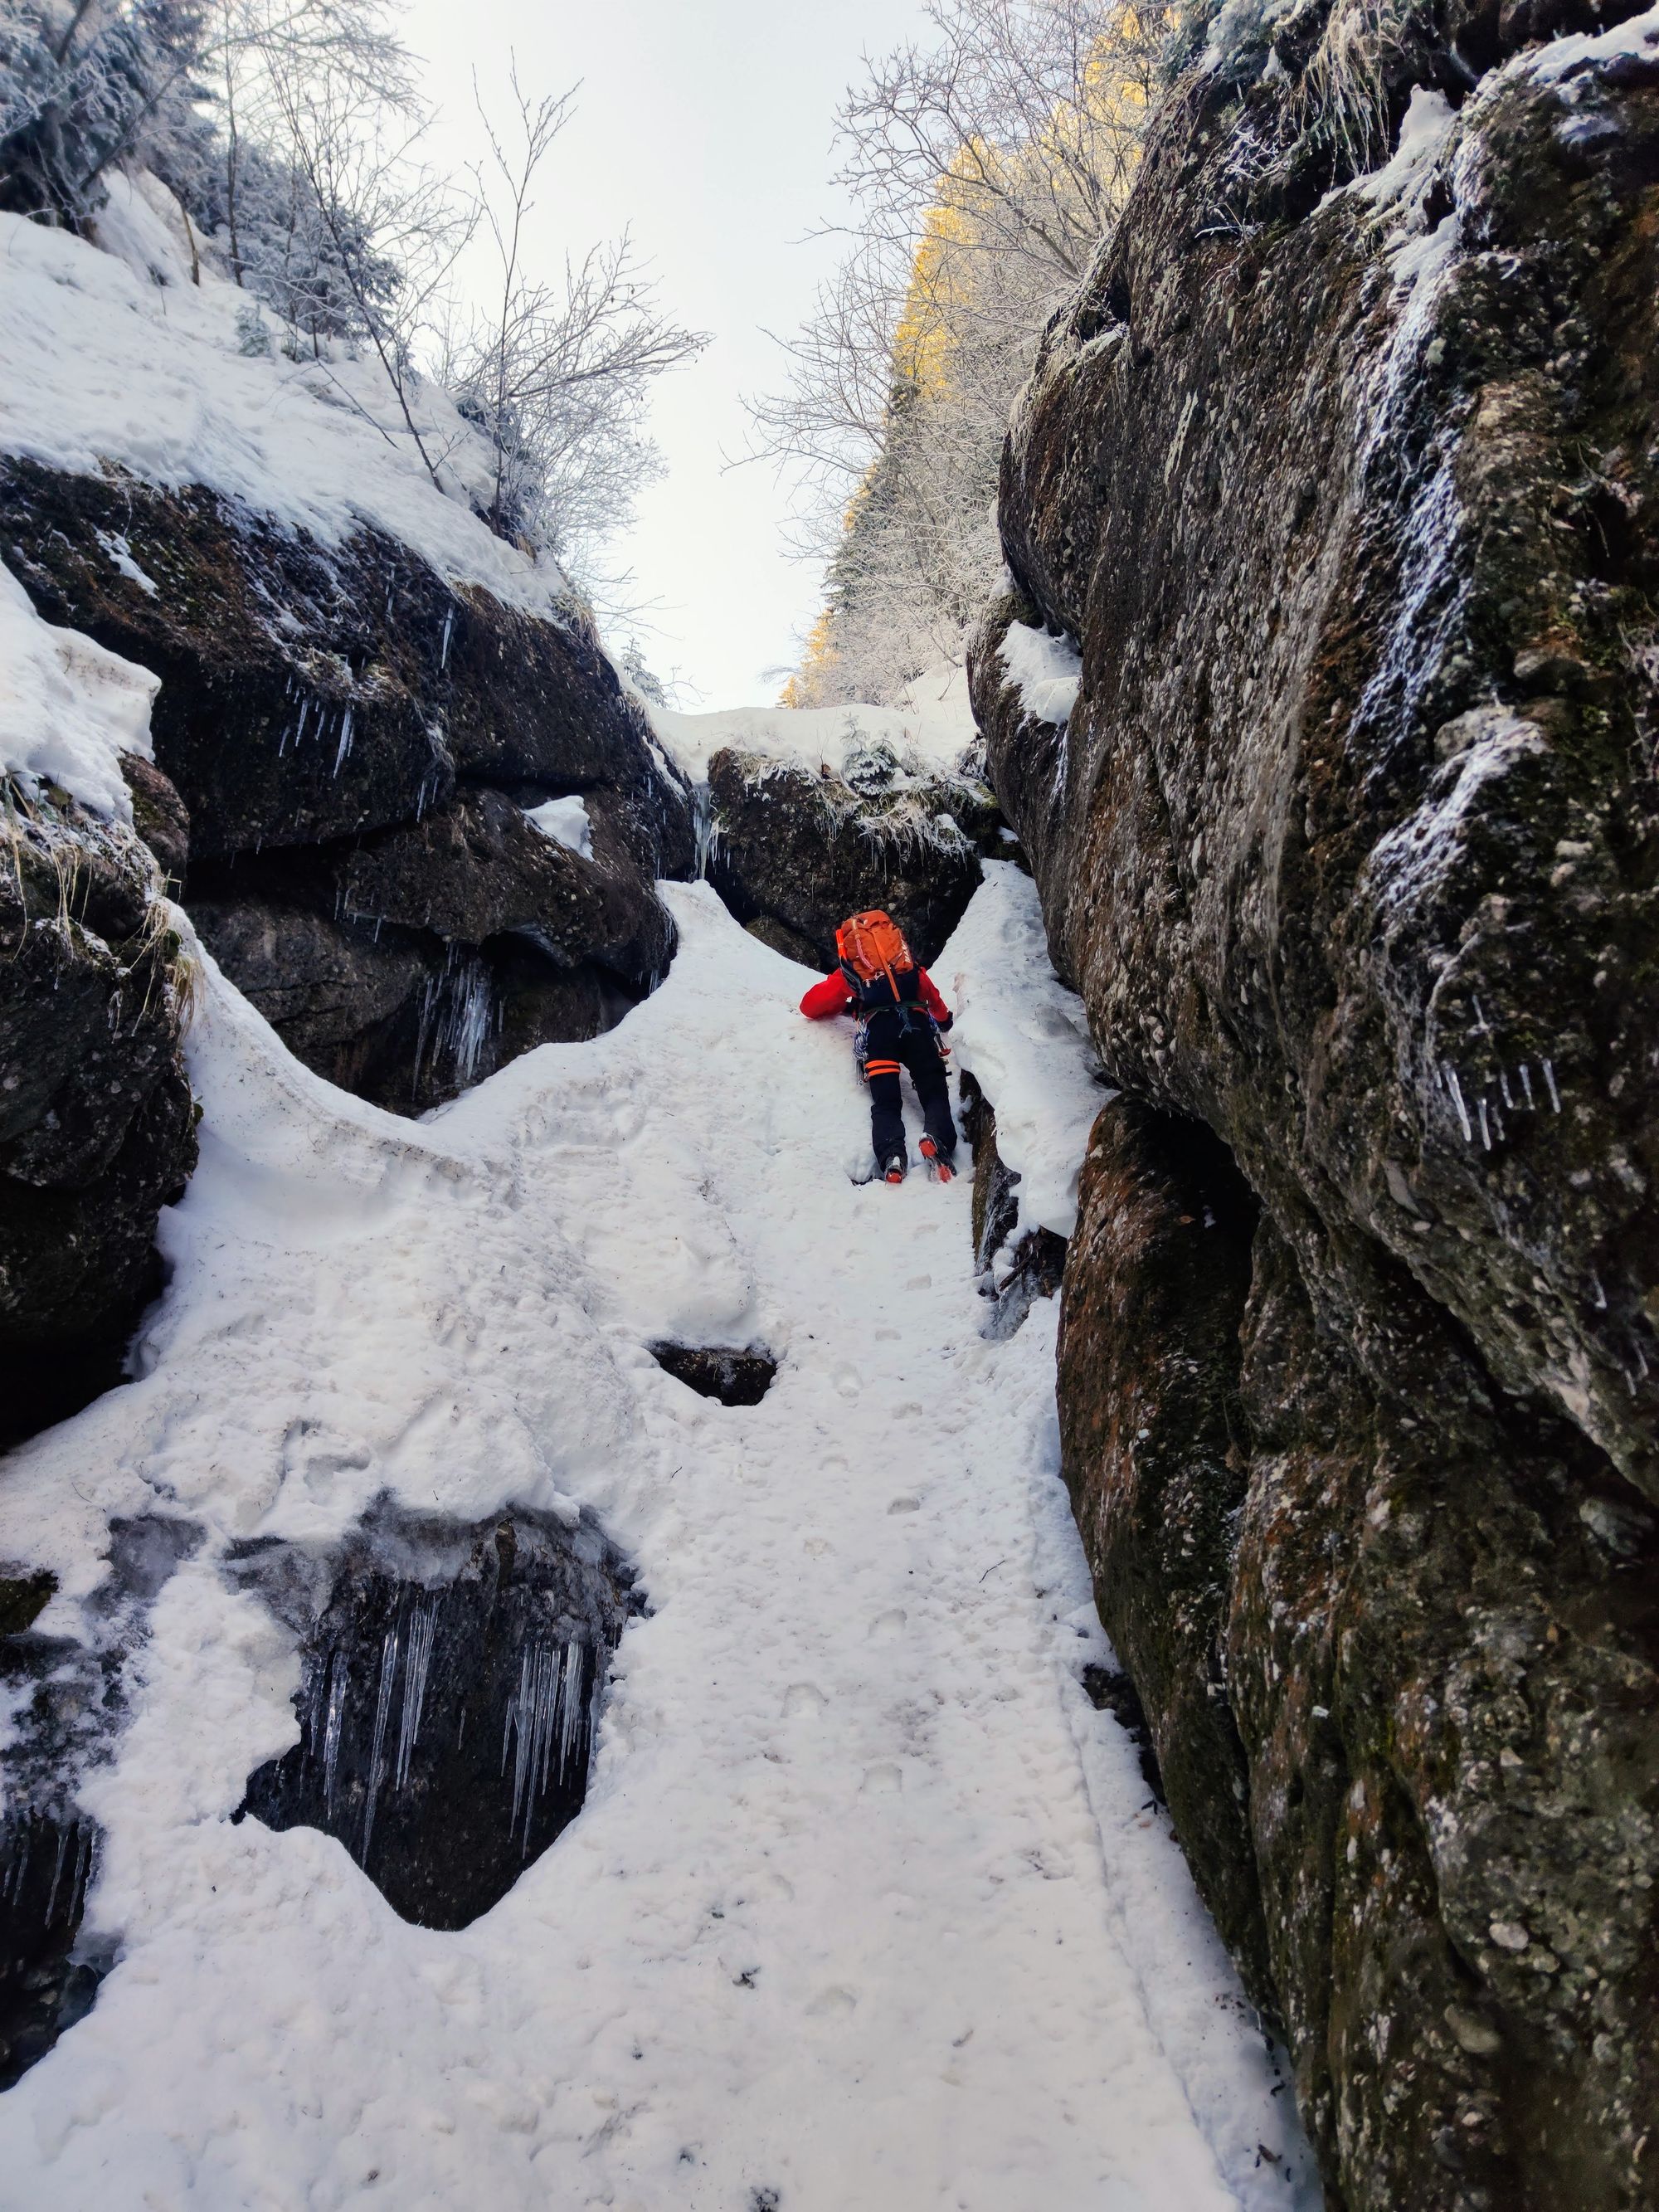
pixel 870 946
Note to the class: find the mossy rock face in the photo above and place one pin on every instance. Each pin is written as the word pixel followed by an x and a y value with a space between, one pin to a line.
pixel 97 1131
pixel 1352 845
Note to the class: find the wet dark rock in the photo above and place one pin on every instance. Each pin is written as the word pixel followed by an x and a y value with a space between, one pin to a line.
pixel 452 1675
pixel 797 852
pixel 780 938
pixel 1350 846
pixel 345 744
pixel 23 1598
pixel 736 1378
pixel 67 1704
pixel 159 818
pixel 97 1125
pixel 401 1016
pixel 477 868
pixel 46 1867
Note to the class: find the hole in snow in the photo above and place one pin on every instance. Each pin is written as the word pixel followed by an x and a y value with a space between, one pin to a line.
pixel 1110 1691
pixel 452 1676
pixel 736 1378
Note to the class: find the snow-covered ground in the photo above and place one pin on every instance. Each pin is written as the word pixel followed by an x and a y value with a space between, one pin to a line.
pixel 868 1905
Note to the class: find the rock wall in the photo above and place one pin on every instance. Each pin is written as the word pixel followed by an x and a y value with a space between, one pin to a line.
pixel 347 747
pixel 1341 472
pixel 97 1125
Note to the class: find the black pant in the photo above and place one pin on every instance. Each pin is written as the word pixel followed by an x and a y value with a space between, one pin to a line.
pixel 916 1050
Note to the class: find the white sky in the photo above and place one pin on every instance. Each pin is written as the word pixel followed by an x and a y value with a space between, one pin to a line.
pixel 706 125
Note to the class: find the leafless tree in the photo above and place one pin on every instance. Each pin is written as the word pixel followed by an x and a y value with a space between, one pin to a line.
pixel 393 226
pixel 984 166
pixel 558 373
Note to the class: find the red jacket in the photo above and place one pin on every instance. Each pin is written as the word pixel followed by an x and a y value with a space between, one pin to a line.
pixel 835 996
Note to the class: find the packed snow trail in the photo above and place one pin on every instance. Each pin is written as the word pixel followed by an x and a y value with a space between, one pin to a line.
pixel 867 1907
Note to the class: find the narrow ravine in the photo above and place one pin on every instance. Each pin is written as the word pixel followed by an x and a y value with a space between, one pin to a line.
pixel 868 1904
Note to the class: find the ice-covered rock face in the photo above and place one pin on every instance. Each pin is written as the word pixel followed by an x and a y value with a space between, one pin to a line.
pixel 452 1681
pixel 1340 473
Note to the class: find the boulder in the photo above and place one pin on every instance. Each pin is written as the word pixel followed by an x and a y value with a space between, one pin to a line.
pixel 801 851
pixel 97 1125
pixel 1343 489
pixel 345 745
pixel 477 868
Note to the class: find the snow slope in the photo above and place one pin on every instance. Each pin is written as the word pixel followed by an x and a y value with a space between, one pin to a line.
pixel 932 725
pixel 868 1905
pixel 115 355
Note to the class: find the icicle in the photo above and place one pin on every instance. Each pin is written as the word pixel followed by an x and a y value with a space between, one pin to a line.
pixel 20 1863
pixel 1549 1078
pixel 345 738
pixel 1504 1085
pixel 1526 1084
pixel 83 1869
pixel 1457 1101
pixel 531 1716
pixel 333 1721
pixel 1485 1127
pixel 570 1706
pixel 58 1870
pixel 1479 1018
pixel 458 1014
pixel 703 818
pixel 421 1629
pixel 449 623
pixel 382 1715
pixel 1601 1295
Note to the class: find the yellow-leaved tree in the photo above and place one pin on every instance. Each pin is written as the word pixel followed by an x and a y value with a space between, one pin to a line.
pixel 986 170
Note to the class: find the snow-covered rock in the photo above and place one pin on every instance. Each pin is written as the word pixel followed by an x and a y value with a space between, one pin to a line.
pixel 342 648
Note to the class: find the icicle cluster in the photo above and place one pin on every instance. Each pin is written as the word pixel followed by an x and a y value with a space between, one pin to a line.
pixel 548 1710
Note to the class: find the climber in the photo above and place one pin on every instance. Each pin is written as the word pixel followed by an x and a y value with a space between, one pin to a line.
pixel 902 1021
